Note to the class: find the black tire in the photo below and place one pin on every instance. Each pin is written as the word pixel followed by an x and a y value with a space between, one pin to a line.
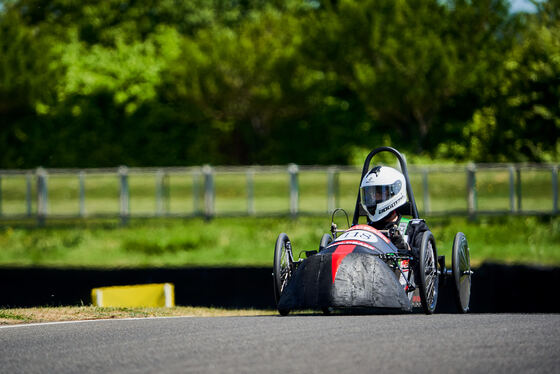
pixel 428 277
pixel 284 312
pixel 282 268
pixel 325 240
pixel 461 269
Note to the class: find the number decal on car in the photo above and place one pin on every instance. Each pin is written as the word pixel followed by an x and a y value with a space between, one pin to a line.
pixel 361 235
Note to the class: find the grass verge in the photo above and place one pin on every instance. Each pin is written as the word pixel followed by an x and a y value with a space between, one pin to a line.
pixel 75 313
pixel 249 241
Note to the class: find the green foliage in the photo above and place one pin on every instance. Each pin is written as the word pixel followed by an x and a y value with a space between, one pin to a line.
pixel 26 85
pixel 9 315
pixel 519 119
pixel 88 83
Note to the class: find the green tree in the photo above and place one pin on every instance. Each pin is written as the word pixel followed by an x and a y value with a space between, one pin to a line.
pixel 252 86
pixel 26 85
pixel 417 67
pixel 520 116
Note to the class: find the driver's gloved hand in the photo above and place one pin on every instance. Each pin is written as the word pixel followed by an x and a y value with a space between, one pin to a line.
pixel 393 231
pixel 398 240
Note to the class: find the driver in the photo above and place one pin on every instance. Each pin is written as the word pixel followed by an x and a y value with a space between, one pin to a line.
pixel 383 191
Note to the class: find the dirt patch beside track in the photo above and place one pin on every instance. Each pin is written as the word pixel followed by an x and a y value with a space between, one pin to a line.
pixel 56 314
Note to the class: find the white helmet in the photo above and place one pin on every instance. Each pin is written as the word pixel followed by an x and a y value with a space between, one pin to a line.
pixel 383 190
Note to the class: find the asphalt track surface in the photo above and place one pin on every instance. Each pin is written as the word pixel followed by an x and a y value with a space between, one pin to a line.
pixel 415 343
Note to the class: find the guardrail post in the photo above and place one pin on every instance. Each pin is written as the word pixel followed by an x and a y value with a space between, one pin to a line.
pixel 42 196
pixel 250 192
pixel 332 189
pixel 82 192
pixel 511 188
pixel 294 189
pixel 28 193
pixel 518 188
pixel 124 196
pixel 555 189
pixel 426 191
pixel 471 190
pixel 209 192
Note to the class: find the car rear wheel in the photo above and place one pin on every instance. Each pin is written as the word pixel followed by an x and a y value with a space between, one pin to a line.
pixel 428 277
pixel 461 269
pixel 282 268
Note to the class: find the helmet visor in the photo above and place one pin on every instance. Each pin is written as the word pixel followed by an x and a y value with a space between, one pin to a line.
pixel 373 195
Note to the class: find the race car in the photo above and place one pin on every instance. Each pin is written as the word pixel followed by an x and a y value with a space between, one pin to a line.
pixel 360 267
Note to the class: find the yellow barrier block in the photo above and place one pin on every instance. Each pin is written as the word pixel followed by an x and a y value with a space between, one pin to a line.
pixel 142 295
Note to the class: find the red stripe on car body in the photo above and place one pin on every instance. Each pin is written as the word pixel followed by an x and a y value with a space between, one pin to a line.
pixel 339 253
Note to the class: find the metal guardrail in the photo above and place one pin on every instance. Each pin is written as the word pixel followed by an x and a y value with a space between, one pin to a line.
pixel 24 194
